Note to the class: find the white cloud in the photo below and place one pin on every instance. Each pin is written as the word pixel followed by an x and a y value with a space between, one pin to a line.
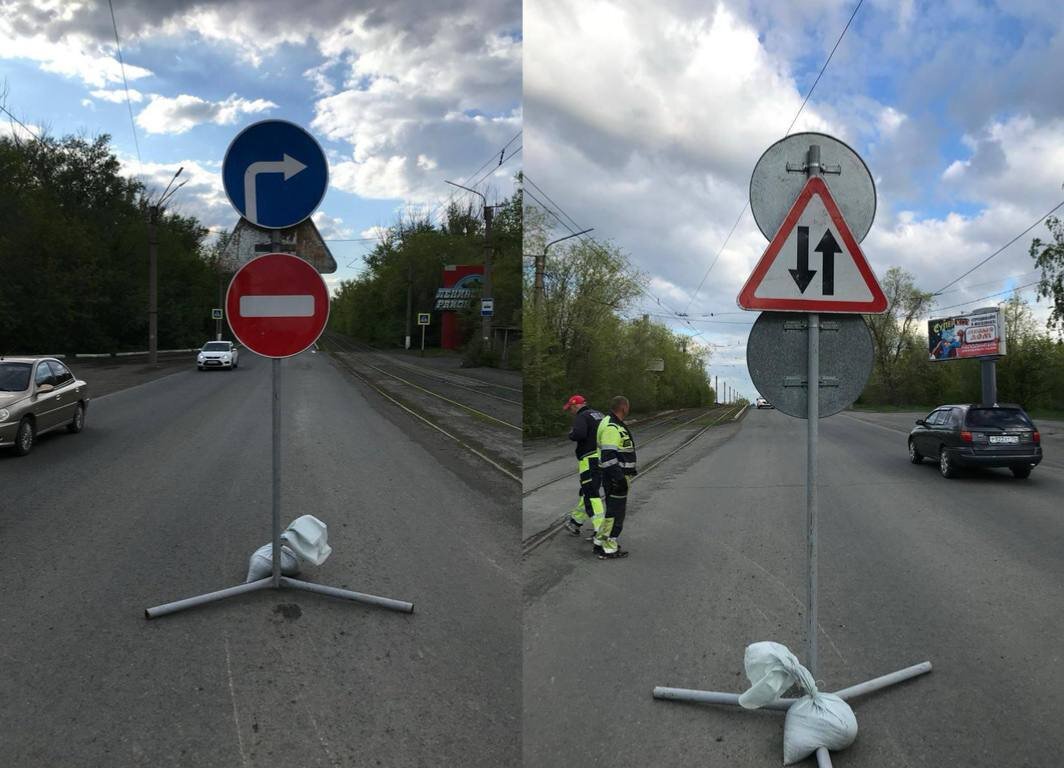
pixel 331 227
pixel 203 196
pixel 118 96
pixel 180 113
pixel 75 55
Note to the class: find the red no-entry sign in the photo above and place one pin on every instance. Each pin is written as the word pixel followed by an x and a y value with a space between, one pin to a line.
pixel 277 305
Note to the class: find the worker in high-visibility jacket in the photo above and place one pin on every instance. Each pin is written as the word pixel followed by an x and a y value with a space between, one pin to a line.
pixel 617 464
pixel 585 429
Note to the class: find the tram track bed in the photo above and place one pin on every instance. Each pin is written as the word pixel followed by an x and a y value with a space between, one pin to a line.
pixel 482 417
pixel 550 490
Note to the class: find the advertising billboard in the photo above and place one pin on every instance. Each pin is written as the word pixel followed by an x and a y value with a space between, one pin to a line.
pixel 979 333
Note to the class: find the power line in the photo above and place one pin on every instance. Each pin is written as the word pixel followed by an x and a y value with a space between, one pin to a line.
pixel 988 282
pixel 441 206
pixel 999 250
pixel 122 65
pixel 787 133
pixel 593 243
pixel 26 127
pixel 989 296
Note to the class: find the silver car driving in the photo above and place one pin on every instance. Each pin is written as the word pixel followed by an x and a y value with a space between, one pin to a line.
pixel 38 394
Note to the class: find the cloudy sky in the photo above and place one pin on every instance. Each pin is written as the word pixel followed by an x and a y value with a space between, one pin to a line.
pixel 402 95
pixel 644 120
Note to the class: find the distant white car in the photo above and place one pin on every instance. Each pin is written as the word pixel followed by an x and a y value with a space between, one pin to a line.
pixel 762 403
pixel 218 354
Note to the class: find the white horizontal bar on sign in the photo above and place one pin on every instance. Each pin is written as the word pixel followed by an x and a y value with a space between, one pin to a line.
pixel 277 306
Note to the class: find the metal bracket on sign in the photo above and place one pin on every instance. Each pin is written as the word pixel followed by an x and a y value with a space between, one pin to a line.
pixel 801 325
pixel 801 381
pixel 804 168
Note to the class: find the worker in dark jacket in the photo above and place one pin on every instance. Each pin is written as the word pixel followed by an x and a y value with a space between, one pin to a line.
pixel 617 464
pixel 584 433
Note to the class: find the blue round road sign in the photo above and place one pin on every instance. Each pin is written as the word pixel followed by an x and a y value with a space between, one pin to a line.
pixel 275 174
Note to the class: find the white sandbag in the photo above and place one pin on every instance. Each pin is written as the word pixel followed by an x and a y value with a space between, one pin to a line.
pixel 772 669
pixel 309 539
pixel 813 721
pixel 817 720
pixel 260 564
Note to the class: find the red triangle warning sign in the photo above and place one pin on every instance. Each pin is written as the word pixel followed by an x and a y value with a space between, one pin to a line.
pixel 814 263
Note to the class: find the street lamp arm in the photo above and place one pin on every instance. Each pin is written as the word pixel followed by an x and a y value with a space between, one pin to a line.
pixel 575 234
pixel 467 189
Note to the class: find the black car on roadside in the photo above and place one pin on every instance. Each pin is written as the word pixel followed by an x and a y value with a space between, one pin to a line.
pixel 977 436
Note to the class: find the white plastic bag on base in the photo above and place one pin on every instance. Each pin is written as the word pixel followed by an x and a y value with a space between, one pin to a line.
pixel 309 539
pixel 772 669
pixel 260 564
pixel 817 720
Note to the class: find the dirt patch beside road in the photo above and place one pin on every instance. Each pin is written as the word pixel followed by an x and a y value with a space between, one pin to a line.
pixel 106 375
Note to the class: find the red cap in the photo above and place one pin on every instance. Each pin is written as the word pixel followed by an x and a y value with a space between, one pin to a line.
pixel 574 402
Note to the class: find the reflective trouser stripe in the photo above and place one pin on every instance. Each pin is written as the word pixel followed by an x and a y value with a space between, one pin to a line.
pixel 590 505
pixel 614 522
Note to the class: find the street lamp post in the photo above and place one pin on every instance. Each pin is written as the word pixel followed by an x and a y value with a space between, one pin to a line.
pixel 486 293
pixel 541 264
pixel 154 210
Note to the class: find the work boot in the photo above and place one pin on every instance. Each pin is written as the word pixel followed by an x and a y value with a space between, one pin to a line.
pixel 573 527
pixel 613 555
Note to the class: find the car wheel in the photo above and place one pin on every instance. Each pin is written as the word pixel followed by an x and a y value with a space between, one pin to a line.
pixel 945 464
pixel 1021 471
pixel 914 455
pixel 78 422
pixel 25 437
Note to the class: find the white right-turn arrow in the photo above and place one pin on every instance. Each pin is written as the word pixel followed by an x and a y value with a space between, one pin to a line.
pixel 289 166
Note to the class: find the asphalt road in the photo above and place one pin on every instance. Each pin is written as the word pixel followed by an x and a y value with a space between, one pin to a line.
pixel 966 573
pixel 165 495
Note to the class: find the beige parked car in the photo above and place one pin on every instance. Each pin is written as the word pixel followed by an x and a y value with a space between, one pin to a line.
pixel 38 394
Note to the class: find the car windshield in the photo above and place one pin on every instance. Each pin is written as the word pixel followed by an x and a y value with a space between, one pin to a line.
pixel 216 346
pixel 14 377
pixel 1002 418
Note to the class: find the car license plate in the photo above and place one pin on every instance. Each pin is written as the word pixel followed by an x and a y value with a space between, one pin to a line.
pixel 1004 439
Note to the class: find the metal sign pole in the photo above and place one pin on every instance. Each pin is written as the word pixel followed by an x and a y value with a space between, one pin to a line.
pixel 812 393
pixel 276 504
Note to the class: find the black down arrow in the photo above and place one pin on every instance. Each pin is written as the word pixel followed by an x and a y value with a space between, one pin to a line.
pixel 803 274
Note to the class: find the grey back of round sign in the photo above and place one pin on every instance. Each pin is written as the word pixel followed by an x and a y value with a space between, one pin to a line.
pixel 773 189
pixel 777 356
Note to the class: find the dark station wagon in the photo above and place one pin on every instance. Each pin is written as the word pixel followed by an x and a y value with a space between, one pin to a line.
pixel 977 436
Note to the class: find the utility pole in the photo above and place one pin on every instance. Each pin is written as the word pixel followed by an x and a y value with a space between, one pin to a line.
pixel 489 214
pixel 541 265
pixel 153 281
pixel 716 392
pixel 153 266
pixel 486 292
pixel 410 302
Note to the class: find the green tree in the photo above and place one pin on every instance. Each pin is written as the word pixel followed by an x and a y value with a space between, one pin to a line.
pixel 1049 257
pixel 894 334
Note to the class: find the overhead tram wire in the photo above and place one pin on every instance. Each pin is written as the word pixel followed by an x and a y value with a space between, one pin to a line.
pixel 122 66
pixel 441 206
pixel 486 174
pixel 787 133
pixel 557 214
pixel 999 250
pixel 990 296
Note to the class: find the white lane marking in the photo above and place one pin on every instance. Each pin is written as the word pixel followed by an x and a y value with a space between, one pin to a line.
pixel 277 306
pixel 232 698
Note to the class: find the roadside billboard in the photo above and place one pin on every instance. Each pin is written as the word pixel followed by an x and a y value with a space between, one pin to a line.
pixel 979 333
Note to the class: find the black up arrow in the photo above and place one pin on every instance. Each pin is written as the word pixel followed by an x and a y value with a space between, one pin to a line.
pixel 803 274
pixel 828 247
